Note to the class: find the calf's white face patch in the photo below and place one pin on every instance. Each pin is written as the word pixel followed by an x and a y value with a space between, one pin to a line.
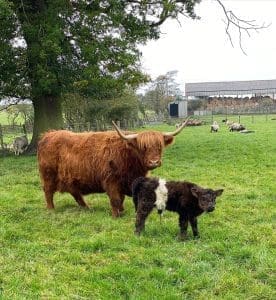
pixel 161 193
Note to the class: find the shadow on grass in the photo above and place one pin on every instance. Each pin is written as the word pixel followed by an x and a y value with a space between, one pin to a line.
pixel 73 208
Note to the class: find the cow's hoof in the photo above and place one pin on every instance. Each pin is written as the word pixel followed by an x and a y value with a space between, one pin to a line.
pixel 116 213
pixel 84 207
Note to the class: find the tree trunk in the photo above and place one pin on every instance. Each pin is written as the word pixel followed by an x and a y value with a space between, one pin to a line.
pixel 47 115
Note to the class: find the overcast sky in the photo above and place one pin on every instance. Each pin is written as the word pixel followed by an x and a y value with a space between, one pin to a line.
pixel 201 51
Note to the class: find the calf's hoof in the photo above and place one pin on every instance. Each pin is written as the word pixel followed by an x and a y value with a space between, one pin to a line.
pixel 182 236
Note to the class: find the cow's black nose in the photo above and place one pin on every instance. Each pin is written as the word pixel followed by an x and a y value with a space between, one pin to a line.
pixel 154 164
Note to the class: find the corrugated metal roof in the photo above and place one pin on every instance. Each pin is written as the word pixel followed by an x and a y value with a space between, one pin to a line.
pixel 223 88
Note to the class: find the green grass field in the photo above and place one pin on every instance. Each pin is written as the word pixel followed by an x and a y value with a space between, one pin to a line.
pixel 73 253
pixel 3 118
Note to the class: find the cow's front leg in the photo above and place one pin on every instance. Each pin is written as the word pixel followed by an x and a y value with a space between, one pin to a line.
pixel 183 224
pixel 193 222
pixel 79 199
pixel 121 205
pixel 49 190
pixel 116 201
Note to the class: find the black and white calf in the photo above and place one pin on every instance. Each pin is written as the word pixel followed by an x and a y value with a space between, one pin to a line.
pixel 187 199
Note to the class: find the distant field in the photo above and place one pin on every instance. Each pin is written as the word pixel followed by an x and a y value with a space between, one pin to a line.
pixel 5 121
pixel 8 137
pixel 85 254
pixel 3 118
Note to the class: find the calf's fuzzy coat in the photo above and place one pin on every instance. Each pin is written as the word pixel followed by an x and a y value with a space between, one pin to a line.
pixel 187 199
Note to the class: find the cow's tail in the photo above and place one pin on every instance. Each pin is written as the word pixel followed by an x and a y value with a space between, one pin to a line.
pixel 136 186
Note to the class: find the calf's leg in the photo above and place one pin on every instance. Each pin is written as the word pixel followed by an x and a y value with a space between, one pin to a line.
pixel 143 210
pixel 183 224
pixel 193 222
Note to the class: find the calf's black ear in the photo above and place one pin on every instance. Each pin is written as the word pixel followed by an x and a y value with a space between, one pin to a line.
pixel 218 192
pixel 195 191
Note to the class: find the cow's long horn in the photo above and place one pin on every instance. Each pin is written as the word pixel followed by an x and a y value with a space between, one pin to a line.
pixel 122 135
pixel 174 133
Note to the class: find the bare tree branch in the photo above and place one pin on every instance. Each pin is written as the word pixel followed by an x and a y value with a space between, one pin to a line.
pixel 242 25
pixel 12 101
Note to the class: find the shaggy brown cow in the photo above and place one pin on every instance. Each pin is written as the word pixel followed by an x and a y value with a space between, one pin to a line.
pixel 98 162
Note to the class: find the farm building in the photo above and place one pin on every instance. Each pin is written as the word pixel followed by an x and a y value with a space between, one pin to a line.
pixel 231 88
pixel 178 108
pixel 235 97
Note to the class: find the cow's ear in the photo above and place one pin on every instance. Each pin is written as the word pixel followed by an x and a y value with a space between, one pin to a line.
pixel 132 143
pixel 195 191
pixel 218 192
pixel 168 140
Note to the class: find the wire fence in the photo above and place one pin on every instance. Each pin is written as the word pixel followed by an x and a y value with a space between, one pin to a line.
pixel 197 118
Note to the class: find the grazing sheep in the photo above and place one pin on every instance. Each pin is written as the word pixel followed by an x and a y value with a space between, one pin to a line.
pixel 229 123
pixel 191 122
pixel 20 144
pixel 236 127
pixel 195 122
pixel 187 199
pixel 215 127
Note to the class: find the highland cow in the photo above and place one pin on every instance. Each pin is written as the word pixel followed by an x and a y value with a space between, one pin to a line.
pixel 98 162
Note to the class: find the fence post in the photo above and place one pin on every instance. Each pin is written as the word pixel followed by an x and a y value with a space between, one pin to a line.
pixel 1 137
pixel 24 129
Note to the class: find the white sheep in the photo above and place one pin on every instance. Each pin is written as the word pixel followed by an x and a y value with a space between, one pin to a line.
pixel 20 144
pixel 236 127
pixel 215 127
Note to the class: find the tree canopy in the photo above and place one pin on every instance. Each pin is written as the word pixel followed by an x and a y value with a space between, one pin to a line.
pixel 160 92
pixel 48 48
pixel 61 45
pixel 52 47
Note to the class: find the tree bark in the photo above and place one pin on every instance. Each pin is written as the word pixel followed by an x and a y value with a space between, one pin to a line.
pixel 47 115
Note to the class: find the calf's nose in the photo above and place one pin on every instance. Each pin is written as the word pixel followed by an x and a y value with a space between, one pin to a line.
pixel 212 208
